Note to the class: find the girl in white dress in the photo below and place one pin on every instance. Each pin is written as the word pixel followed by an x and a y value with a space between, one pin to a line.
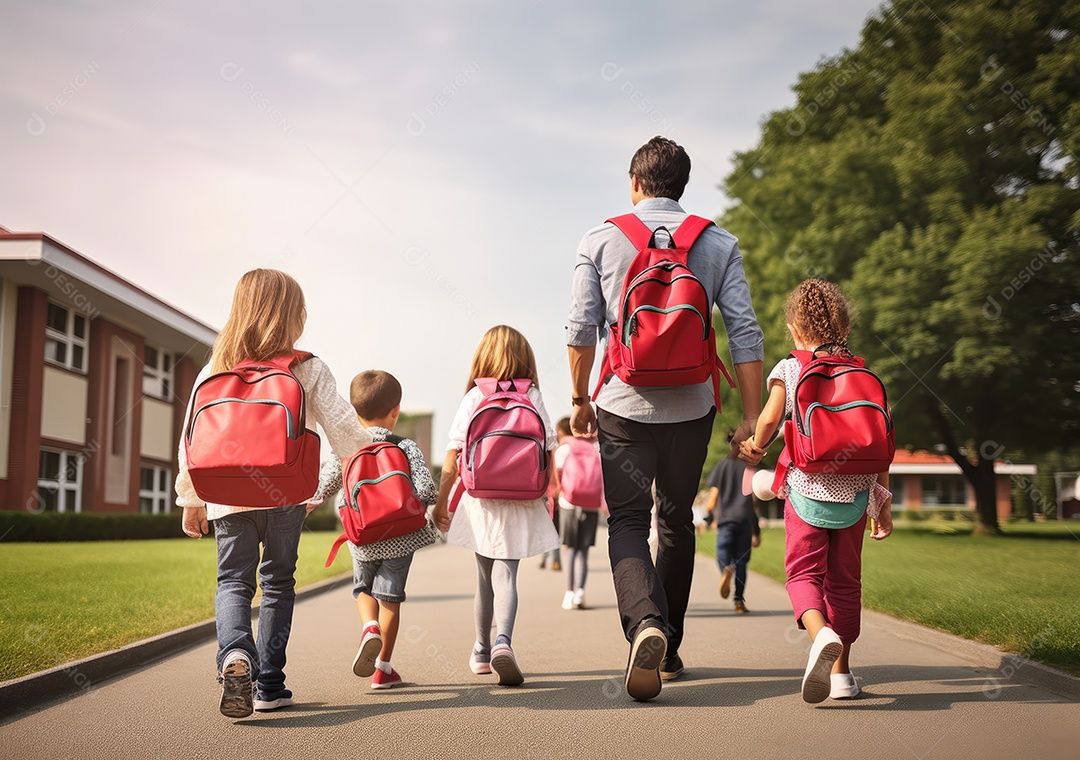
pixel 501 532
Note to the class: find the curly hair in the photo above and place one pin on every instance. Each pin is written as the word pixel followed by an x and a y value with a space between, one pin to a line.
pixel 820 312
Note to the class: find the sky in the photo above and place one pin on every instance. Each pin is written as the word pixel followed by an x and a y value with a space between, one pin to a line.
pixel 425 170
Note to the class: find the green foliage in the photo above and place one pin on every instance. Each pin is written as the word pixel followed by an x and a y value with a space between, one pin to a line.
pixel 88 526
pixel 933 172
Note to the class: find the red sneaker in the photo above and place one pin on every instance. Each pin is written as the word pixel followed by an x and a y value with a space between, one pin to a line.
pixel 382 680
pixel 370 645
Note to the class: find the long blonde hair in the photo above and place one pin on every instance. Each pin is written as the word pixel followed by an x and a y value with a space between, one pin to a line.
pixel 266 319
pixel 503 354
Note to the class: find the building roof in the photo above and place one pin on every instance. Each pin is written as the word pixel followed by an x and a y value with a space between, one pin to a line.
pixel 104 284
pixel 927 463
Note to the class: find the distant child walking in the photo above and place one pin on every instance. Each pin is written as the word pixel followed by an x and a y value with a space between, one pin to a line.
pixel 730 505
pixel 500 531
pixel 266 321
pixel 827 503
pixel 380 569
pixel 580 496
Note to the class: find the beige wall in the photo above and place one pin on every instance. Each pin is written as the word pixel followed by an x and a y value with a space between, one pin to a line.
pixel 63 406
pixel 9 296
pixel 157 435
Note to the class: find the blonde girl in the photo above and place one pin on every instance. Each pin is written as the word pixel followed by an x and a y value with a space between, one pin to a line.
pixel 266 321
pixel 825 514
pixel 500 532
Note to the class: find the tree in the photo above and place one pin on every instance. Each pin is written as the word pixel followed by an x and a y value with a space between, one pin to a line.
pixel 933 172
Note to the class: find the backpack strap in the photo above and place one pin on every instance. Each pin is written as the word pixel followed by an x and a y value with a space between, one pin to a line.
pixel 521 384
pixel 299 357
pixel 487 385
pixel 394 439
pixel 689 231
pixel 803 357
pixel 455 495
pixel 636 231
pixel 334 549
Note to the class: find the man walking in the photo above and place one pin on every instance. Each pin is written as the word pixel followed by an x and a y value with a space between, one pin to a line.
pixel 656 435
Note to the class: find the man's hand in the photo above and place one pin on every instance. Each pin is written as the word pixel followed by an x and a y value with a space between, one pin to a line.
pixel 745 429
pixel 195 523
pixel 755 542
pixel 583 421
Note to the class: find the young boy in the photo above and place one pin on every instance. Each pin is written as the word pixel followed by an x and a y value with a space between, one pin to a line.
pixel 381 569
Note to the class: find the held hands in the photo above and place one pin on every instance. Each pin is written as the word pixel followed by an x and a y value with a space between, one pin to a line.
pixel 749 451
pixel 583 421
pixel 442 517
pixel 755 542
pixel 195 524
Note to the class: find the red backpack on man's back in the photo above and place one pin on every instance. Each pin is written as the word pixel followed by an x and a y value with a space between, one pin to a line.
pixel 664 334
pixel 246 440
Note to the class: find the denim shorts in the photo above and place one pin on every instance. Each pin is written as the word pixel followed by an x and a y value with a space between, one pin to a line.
pixel 383 579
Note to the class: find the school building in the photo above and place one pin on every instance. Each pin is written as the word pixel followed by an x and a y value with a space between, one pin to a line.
pixel 922 480
pixel 95 374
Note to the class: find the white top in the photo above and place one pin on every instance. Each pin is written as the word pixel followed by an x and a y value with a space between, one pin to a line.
pixel 501 528
pixel 325 406
pixel 834 487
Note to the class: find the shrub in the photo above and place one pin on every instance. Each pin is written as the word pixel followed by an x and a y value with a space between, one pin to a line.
pixel 79 526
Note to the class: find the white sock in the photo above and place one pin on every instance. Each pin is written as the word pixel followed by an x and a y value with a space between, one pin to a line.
pixel 371 623
pixel 383 665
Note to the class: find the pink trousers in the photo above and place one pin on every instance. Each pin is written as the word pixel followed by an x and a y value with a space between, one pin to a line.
pixel 824 572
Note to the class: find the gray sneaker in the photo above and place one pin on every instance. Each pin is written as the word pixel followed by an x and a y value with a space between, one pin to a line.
pixel 235 679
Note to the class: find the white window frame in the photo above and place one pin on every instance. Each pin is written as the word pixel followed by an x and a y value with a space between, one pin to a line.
pixel 160 496
pixel 69 339
pixel 155 375
pixel 63 487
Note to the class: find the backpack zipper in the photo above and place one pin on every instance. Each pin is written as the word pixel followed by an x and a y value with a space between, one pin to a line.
pixel 844 408
pixel 631 327
pixel 509 434
pixel 231 399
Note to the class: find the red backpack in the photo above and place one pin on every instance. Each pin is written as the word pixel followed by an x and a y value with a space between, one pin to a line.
pixel 842 423
pixel 246 440
pixel 380 499
pixel 664 334
pixel 581 480
pixel 505 451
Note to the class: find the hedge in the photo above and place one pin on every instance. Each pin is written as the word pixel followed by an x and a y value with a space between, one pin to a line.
pixel 80 526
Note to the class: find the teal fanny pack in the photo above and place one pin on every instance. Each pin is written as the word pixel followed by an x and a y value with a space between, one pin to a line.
pixel 829 514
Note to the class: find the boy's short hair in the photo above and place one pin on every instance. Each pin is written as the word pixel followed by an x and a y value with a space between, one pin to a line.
pixel 374 394
pixel 563 426
pixel 662 167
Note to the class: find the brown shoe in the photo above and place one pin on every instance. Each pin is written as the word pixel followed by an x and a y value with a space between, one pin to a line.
pixel 740 607
pixel 556 565
pixel 725 581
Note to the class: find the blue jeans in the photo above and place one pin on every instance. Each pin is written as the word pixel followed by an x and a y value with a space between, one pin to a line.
pixel 733 548
pixel 238 538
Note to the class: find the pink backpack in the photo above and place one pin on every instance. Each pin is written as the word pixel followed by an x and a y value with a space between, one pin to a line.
pixel 580 479
pixel 505 452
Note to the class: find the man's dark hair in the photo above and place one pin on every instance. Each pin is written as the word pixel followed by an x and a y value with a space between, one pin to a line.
pixel 374 394
pixel 662 168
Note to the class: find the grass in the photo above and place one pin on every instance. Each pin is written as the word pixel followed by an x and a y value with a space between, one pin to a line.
pixel 63 601
pixel 1016 591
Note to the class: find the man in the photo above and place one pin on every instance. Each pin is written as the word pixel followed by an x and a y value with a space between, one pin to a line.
pixel 655 435
pixel 730 505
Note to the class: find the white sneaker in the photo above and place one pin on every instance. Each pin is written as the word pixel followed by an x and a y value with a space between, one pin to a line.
pixel 844 686
pixel 816 683
pixel 568 600
pixel 579 599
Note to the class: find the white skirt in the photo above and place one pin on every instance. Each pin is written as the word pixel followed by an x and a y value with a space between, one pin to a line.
pixel 503 529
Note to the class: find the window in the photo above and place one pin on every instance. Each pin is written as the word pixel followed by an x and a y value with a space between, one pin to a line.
pixel 896 485
pixel 157 373
pixel 65 337
pixel 155 489
pixel 121 406
pixel 60 481
pixel 942 491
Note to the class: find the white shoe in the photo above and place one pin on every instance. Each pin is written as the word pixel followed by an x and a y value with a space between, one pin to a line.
pixel 816 683
pixel 579 599
pixel 568 600
pixel 844 686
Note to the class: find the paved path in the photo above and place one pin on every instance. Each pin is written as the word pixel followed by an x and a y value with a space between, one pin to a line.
pixel 738 698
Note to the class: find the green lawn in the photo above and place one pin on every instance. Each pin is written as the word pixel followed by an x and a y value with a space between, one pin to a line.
pixel 63 601
pixel 1017 591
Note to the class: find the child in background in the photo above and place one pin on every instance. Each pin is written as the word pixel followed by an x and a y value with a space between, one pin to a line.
pixel 501 532
pixel 825 514
pixel 738 531
pixel 380 570
pixel 265 322
pixel 578 478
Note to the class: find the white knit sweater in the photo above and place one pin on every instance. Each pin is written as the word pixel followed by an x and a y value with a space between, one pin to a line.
pixel 324 406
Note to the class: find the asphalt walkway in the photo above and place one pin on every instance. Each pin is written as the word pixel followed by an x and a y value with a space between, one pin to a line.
pixel 739 697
